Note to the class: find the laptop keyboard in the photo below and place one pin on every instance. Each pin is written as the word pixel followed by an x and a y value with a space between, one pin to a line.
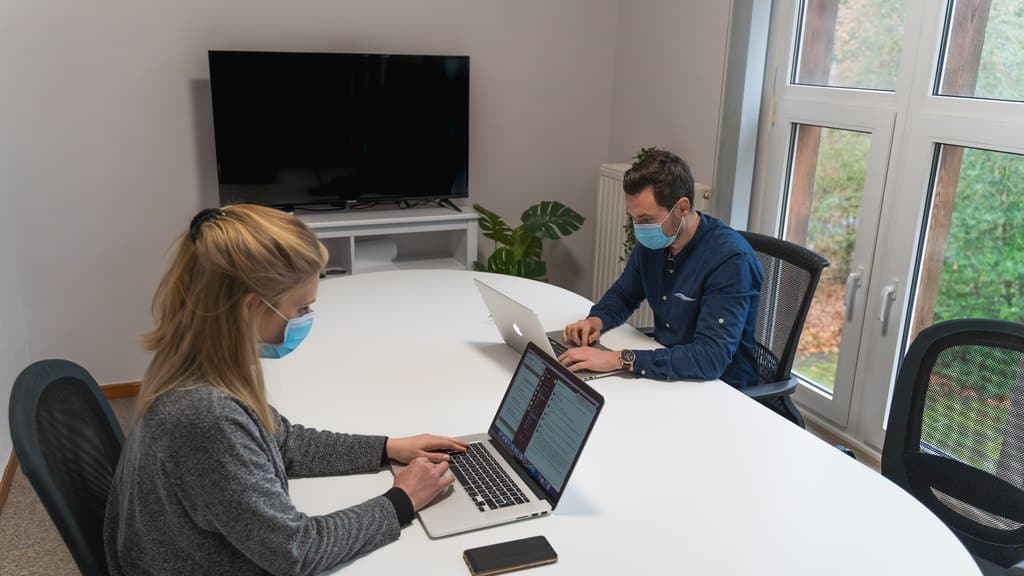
pixel 484 479
pixel 557 346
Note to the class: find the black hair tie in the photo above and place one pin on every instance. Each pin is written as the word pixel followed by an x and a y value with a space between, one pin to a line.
pixel 204 216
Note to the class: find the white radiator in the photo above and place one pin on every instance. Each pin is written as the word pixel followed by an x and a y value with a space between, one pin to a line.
pixel 609 257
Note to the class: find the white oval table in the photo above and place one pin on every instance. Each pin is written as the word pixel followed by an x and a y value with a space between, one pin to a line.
pixel 677 477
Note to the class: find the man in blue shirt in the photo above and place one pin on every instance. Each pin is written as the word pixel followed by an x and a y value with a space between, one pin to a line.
pixel 700 277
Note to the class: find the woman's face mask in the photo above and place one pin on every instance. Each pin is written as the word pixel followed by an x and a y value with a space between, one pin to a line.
pixel 295 332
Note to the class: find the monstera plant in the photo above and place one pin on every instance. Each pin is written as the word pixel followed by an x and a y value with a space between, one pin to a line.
pixel 519 251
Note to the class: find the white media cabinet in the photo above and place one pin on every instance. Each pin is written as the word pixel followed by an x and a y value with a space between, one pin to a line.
pixel 377 239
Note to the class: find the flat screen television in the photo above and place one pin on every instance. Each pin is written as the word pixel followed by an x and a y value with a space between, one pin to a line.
pixel 296 129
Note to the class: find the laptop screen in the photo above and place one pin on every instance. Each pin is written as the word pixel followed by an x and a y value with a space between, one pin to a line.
pixel 545 418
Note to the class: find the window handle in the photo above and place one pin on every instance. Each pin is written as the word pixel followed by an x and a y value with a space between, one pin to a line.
pixel 888 297
pixel 853 283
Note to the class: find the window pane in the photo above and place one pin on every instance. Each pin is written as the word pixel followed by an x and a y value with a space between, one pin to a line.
pixel 826 186
pixel 984 50
pixel 972 266
pixel 972 263
pixel 850 43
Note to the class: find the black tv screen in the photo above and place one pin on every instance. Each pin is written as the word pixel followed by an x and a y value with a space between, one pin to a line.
pixel 295 129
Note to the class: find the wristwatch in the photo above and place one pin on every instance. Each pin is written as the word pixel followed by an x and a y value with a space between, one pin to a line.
pixel 626 359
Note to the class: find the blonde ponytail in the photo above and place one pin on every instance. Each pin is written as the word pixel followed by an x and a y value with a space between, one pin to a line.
pixel 207 330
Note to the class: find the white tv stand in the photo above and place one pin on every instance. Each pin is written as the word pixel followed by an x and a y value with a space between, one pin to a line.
pixel 373 240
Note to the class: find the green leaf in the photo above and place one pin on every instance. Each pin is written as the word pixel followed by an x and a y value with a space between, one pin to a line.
pixel 520 250
pixel 534 248
pixel 502 261
pixel 493 226
pixel 535 269
pixel 517 242
pixel 551 220
pixel 630 242
pixel 643 153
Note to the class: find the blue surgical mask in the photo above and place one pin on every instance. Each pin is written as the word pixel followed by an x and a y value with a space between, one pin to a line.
pixel 651 236
pixel 295 332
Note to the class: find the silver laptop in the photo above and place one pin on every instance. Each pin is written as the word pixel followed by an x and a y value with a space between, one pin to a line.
pixel 520 467
pixel 519 324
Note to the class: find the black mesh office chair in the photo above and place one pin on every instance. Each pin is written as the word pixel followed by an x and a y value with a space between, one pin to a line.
pixel 68 443
pixel 791 274
pixel 955 437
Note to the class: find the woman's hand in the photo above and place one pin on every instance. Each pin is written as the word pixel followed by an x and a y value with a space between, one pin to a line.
pixel 422 481
pixel 428 446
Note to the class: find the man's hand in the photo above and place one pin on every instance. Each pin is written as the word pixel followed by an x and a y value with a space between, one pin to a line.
pixel 582 332
pixel 423 480
pixel 427 446
pixel 590 359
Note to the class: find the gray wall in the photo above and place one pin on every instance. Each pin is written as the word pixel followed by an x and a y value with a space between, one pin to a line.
pixel 669 76
pixel 106 119
pixel 106 141
pixel 13 356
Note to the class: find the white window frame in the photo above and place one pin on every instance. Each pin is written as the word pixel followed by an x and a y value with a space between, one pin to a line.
pixel 919 121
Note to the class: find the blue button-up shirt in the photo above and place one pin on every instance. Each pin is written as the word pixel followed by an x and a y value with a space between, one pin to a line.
pixel 705 301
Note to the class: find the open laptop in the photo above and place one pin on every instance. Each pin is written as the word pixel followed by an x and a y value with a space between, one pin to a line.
pixel 519 324
pixel 520 467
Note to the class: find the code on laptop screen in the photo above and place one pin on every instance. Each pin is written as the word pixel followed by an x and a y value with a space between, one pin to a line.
pixel 543 421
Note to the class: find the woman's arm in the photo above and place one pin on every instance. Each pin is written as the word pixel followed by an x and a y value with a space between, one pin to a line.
pixel 229 483
pixel 312 452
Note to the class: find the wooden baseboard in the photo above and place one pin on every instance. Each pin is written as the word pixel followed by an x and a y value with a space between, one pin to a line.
pixel 121 390
pixel 829 433
pixel 8 479
pixel 111 391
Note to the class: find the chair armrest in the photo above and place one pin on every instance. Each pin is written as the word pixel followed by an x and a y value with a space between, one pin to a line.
pixel 771 389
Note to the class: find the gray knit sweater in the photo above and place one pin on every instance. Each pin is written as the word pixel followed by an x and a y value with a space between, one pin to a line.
pixel 202 488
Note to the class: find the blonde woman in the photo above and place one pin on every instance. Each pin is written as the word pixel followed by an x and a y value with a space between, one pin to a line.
pixel 202 484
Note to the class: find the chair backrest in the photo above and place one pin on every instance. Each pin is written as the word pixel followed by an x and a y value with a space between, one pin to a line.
pixel 791 274
pixel 955 437
pixel 68 443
